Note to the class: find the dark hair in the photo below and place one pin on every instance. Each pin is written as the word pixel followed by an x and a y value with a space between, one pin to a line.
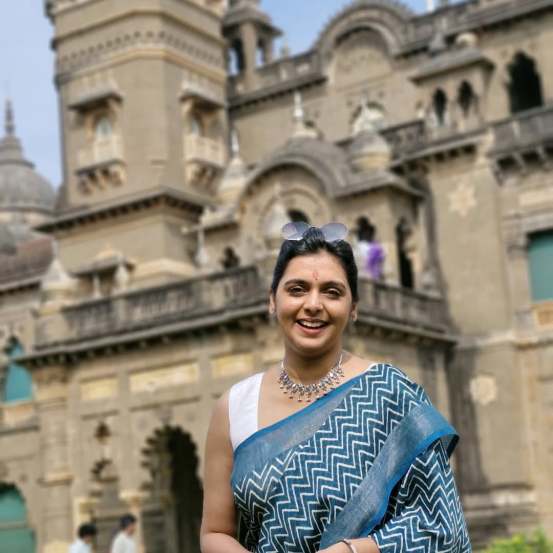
pixel 126 520
pixel 86 529
pixel 313 241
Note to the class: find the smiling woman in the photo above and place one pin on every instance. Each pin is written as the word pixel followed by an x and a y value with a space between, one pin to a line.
pixel 362 468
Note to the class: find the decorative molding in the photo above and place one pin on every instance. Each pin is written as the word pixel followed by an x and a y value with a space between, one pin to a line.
pixel 93 55
pixel 483 390
pixel 232 365
pixel 171 377
pixel 463 199
pixel 104 388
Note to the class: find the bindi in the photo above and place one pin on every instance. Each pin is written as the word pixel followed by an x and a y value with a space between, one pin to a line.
pixel 315 275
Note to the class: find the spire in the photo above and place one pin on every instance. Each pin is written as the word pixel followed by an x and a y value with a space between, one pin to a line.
pixel 234 144
pixel 10 146
pixel 9 125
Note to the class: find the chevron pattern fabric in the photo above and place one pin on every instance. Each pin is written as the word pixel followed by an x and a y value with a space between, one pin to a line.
pixel 286 503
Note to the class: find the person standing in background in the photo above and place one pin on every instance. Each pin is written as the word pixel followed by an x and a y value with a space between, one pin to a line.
pixel 123 541
pixel 85 536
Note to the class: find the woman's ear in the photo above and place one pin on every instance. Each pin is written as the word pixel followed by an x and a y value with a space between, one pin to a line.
pixel 353 314
pixel 272 304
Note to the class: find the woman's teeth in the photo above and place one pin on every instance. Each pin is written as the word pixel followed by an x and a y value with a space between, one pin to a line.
pixel 308 324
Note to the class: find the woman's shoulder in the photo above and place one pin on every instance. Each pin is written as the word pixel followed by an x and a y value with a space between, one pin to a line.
pixel 245 386
pixel 392 380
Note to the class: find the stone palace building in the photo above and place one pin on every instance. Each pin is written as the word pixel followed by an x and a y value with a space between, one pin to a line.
pixel 136 294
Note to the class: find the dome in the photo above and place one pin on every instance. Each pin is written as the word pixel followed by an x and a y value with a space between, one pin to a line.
pixel 21 187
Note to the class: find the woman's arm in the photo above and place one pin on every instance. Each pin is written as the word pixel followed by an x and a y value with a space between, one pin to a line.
pixel 424 512
pixel 218 520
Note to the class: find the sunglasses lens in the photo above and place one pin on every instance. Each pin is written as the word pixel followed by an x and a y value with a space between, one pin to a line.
pixel 294 231
pixel 334 231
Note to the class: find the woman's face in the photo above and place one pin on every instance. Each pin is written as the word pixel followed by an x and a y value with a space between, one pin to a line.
pixel 313 303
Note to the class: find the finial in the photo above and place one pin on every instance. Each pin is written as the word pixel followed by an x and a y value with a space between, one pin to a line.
pixel 299 113
pixel 234 144
pixel 10 125
pixel 285 51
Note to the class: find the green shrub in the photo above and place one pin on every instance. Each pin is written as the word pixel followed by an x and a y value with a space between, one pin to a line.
pixel 519 543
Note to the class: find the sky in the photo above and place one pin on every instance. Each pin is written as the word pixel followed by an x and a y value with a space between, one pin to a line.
pixel 26 66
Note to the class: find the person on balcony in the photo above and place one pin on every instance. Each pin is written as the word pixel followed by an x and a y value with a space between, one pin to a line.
pixel 327 451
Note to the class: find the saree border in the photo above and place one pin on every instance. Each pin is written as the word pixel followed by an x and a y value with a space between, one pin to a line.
pixel 423 426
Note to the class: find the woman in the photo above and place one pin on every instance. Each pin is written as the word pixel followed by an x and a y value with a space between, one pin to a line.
pixel 328 451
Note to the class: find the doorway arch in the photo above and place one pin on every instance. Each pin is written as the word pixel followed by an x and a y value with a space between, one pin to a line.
pixel 172 512
pixel 15 534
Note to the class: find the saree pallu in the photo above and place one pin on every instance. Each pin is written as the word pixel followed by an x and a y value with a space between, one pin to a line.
pixel 368 459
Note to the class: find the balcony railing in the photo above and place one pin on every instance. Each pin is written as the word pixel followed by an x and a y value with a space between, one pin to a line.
pixel 191 299
pixel 213 299
pixel 201 149
pixel 399 305
pixel 406 137
pixel 523 131
pixel 279 72
pixel 101 152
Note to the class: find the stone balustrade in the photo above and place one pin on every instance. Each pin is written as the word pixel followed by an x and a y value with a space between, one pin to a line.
pixel 200 149
pixel 281 72
pixel 213 299
pixel 101 152
pixel 523 131
pixel 406 137
pixel 401 306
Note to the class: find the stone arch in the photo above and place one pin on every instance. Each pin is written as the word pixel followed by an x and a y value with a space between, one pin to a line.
pixel 294 187
pixel 323 161
pixel 525 84
pixel 440 107
pixel 387 18
pixel 171 512
pixel 467 99
pixel 15 532
pixel 15 380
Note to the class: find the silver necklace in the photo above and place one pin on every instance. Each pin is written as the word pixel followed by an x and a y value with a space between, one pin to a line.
pixel 310 392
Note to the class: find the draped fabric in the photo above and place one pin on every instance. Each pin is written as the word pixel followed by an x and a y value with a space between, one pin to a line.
pixel 370 458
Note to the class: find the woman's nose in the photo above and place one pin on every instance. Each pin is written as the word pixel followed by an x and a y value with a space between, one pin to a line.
pixel 313 301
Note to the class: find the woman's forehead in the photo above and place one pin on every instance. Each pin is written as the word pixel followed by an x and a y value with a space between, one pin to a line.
pixel 320 265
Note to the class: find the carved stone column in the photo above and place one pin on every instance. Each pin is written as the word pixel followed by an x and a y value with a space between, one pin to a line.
pixel 56 531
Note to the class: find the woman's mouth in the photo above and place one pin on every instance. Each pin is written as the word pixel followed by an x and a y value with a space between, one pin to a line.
pixel 311 327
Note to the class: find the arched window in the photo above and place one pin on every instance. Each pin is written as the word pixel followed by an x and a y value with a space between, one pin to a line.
pixel 260 54
pixel 365 230
pixel 439 105
pixel 297 216
pixel 236 58
pixel 406 274
pixel 369 253
pixel 195 125
pixel 525 89
pixel 540 264
pixel 15 535
pixel 103 128
pixel 230 259
pixel 18 384
pixel 466 98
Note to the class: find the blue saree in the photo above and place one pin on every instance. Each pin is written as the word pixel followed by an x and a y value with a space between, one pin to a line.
pixel 368 459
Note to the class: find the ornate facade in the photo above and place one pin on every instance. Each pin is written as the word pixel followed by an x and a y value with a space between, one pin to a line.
pixel 133 301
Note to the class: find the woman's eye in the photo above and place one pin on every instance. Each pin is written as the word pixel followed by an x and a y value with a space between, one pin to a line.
pixel 333 292
pixel 295 290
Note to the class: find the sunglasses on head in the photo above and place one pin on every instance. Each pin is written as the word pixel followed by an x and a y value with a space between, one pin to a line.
pixel 331 231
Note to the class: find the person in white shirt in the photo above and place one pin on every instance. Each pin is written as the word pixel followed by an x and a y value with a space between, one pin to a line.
pixel 123 541
pixel 85 536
